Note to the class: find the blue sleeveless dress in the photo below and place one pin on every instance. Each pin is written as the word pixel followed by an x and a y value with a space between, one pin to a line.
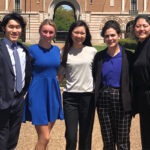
pixel 43 102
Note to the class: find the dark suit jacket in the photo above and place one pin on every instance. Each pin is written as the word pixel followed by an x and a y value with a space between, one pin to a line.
pixel 141 76
pixel 7 77
pixel 125 77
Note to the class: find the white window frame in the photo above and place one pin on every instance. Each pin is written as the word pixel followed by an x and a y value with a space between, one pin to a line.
pixel 19 6
pixel 112 2
pixel 132 7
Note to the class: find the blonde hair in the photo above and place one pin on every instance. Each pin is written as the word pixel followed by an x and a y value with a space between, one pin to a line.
pixel 48 22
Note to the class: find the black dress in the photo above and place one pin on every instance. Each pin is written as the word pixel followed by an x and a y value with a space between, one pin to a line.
pixel 141 76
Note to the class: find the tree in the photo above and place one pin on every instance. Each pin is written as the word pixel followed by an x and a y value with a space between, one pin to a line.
pixel 63 18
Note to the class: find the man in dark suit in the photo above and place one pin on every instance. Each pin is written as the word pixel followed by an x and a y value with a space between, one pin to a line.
pixel 15 74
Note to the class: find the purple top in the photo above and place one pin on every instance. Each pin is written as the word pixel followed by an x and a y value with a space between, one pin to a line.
pixel 111 70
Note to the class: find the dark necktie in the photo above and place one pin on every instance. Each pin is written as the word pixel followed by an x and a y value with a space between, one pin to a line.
pixel 18 68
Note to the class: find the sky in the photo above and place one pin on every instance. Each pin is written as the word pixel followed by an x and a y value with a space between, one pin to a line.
pixel 67 7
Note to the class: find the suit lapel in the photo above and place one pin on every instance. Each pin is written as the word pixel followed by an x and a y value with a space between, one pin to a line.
pixel 125 70
pixel 7 56
pixel 98 74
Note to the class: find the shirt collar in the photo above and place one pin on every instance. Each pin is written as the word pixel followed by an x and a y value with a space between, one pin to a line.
pixel 118 55
pixel 8 42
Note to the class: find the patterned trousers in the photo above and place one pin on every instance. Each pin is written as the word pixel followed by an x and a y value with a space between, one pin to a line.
pixel 115 123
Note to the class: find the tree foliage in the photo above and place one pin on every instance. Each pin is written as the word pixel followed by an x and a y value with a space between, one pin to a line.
pixel 63 18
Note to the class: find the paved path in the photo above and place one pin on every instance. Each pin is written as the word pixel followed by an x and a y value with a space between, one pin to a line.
pixel 28 136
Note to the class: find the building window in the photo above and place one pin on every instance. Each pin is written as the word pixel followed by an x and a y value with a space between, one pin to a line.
pixel 133 9
pixel 134 5
pixel 17 5
pixel 38 1
pixel 112 3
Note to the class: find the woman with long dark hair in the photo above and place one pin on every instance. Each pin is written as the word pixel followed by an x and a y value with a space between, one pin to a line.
pixel 78 101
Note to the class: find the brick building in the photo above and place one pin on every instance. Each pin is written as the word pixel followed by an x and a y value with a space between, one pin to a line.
pixel 94 12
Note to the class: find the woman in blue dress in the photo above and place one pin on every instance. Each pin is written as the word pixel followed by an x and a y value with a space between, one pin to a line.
pixel 43 102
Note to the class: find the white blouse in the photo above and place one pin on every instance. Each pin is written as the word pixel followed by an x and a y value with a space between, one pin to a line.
pixel 78 71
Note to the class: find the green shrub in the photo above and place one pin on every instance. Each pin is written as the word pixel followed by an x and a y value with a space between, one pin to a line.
pixel 63 83
pixel 27 44
pixel 128 43
pixel 20 40
pixel 100 47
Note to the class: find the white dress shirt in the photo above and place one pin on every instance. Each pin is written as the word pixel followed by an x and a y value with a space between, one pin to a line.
pixel 22 56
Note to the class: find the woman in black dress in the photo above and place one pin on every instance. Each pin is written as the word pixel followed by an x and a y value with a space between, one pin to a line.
pixel 141 77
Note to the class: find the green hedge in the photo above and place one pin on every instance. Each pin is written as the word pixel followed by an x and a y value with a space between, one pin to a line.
pixel 27 44
pixel 20 40
pixel 101 47
pixel 128 43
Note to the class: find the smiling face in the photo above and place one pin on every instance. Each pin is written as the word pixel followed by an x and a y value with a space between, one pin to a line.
pixel 78 36
pixel 12 30
pixel 142 29
pixel 47 33
pixel 111 38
